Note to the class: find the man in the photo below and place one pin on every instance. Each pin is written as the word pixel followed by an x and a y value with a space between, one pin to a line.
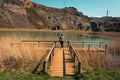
pixel 61 39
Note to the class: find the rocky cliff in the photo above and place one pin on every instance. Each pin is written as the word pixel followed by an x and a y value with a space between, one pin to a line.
pixel 25 14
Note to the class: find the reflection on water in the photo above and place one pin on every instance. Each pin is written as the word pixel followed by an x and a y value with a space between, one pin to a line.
pixel 44 35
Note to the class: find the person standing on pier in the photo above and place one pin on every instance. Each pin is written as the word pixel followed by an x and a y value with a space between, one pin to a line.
pixel 61 39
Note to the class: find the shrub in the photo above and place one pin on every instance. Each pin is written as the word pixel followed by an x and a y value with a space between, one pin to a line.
pixel 101 29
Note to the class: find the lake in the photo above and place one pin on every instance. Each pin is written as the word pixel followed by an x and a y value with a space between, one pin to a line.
pixel 48 35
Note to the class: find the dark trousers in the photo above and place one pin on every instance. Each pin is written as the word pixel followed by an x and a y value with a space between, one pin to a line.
pixel 62 42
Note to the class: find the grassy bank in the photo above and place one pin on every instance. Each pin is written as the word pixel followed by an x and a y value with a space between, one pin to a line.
pixel 96 74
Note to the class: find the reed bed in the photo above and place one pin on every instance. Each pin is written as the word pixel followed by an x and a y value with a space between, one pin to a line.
pixel 24 56
pixel 93 59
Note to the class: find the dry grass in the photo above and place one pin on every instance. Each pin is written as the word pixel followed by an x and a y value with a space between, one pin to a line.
pixel 100 59
pixel 115 47
pixel 93 59
pixel 24 56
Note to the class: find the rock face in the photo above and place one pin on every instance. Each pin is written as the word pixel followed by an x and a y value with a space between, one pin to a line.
pixel 25 14
pixel 108 23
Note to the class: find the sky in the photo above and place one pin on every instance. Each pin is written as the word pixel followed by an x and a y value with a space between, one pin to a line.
pixel 91 8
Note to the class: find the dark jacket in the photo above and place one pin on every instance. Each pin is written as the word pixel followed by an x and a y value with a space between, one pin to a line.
pixel 61 38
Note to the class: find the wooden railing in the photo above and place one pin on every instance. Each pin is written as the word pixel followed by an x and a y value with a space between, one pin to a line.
pixel 90 44
pixel 48 59
pixel 76 59
pixel 99 46
pixel 39 41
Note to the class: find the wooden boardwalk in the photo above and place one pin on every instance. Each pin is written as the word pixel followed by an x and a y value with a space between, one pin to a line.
pixel 69 63
pixel 56 67
pixel 62 63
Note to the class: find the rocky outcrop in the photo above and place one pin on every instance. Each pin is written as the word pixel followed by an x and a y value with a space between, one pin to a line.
pixel 14 16
pixel 25 14
pixel 107 23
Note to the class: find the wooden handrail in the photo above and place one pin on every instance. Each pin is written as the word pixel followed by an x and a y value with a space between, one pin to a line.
pixel 75 56
pixel 100 44
pixel 48 59
pixel 75 53
pixel 40 41
pixel 50 52
pixel 73 42
pixel 85 42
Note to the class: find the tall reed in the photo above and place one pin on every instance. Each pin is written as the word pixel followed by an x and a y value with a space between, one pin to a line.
pixel 24 56
pixel 100 59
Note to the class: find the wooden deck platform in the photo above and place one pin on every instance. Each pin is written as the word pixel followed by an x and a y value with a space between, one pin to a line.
pixel 91 49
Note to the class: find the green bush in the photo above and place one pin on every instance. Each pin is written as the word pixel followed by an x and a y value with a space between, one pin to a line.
pixel 95 74
pixel 101 29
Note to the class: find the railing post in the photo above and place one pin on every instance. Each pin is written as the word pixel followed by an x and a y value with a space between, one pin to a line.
pixel 79 68
pixel 50 58
pixel 55 43
pixel 100 45
pixel 68 44
pixel 38 43
pixel 106 54
pixel 106 47
pixel 44 66
pixel 74 57
pixel 64 71
pixel 70 48
pixel 53 52
pixel 20 43
pixel 11 44
pixel 82 44
pixel 89 47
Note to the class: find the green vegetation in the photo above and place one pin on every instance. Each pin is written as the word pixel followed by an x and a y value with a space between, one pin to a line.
pixel 100 74
pixel 95 74
pixel 101 29
pixel 13 75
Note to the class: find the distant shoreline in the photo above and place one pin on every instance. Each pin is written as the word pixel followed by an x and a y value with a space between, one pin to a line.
pixel 110 34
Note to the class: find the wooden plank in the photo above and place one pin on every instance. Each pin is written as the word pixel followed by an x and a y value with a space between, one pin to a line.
pixel 56 67
pixel 69 63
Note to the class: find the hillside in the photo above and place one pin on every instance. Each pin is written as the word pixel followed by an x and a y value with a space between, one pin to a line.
pixel 25 14
pixel 108 23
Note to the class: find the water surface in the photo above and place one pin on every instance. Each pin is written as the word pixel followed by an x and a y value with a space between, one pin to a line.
pixel 47 35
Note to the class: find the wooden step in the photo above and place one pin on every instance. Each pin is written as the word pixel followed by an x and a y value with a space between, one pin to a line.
pixel 69 63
